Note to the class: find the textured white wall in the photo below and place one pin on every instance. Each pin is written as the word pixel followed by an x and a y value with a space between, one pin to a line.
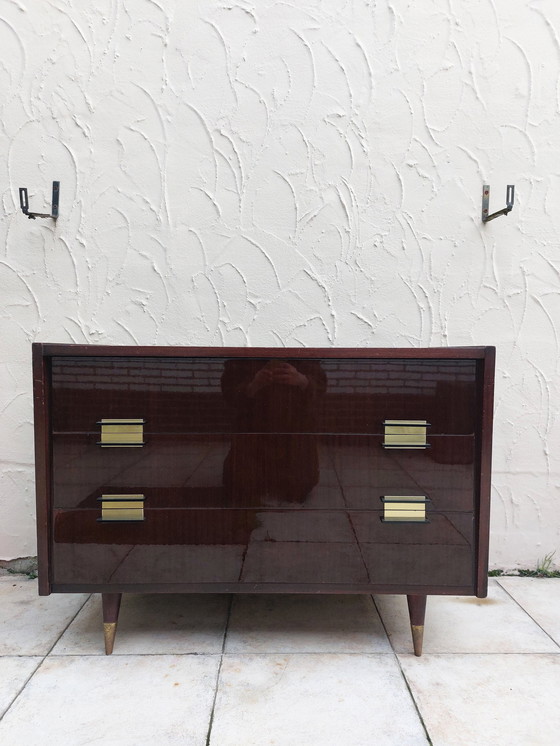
pixel 238 172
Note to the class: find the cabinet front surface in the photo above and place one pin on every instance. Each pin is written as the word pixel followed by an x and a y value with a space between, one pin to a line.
pixel 255 473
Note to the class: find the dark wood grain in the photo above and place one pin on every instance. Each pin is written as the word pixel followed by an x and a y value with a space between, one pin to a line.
pixel 264 546
pixel 111 604
pixel 417 613
pixel 41 403
pixel 486 383
pixel 351 353
pixel 235 587
pixel 218 395
pixel 268 470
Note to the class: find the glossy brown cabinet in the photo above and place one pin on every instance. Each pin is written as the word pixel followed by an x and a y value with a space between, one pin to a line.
pixel 228 470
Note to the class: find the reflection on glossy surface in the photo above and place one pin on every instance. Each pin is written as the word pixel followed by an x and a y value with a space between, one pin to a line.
pixel 270 546
pixel 185 395
pixel 354 471
pixel 272 398
pixel 259 471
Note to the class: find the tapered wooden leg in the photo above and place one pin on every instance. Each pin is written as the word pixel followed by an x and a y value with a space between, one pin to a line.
pixel 417 613
pixel 111 604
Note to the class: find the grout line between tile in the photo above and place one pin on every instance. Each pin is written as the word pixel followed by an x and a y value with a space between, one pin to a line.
pixel 255 654
pixel 25 683
pixel 116 656
pixel 382 623
pixel 396 657
pixel 42 657
pixel 497 654
pixel 528 614
pixel 65 628
pixel 414 702
pixel 211 719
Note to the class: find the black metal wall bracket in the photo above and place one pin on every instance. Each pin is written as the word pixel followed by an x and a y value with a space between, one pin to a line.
pixel 24 203
pixel 510 193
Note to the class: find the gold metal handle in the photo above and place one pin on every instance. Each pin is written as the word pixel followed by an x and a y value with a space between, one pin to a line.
pixel 121 433
pixel 121 508
pixel 406 434
pixel 405 509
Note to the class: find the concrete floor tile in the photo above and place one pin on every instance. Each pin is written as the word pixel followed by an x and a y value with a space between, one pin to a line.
pixel 487 700
pixel 305 624
pixel 464 624
pixel 30 623
pixel 316 700
pixel 540 597
pixel 159 624
pixel 14 672
pixel 116 701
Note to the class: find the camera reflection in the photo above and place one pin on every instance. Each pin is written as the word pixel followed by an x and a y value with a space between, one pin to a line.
pixel 273 454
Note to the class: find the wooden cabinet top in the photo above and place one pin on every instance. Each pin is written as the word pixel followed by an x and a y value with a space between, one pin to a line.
pixel 420 353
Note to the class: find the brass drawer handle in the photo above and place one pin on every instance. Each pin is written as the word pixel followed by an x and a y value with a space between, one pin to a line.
pixel 405 434
pixel 405 509
pixel 121 433
pixel 121 508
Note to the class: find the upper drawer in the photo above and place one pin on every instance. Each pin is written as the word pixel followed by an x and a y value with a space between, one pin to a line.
pixel 247 395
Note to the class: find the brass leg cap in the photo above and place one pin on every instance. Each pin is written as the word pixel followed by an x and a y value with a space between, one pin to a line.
pixel 109 631
pixel 417 638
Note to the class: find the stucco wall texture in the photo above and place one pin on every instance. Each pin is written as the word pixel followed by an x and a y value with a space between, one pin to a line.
pixel 309 173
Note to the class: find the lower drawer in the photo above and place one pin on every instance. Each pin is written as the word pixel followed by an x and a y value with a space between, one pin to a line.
pixel 262 546
pixel 253 471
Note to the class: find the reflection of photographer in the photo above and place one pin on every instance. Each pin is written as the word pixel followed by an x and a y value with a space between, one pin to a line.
pixel 276 372
pixel 274 452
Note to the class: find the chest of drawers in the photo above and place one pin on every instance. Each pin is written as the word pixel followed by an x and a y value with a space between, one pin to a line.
pixel 226 470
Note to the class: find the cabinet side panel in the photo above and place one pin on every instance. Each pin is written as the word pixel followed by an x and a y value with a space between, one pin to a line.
pixel 486 424
pixel 41 405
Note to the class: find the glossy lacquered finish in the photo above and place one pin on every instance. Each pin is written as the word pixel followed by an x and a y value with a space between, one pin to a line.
pixel 263 470
pixel 249 546
pixel 308 470
pixel 221 395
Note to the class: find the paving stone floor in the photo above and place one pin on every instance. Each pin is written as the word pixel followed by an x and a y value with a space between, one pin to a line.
pixel 212 670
